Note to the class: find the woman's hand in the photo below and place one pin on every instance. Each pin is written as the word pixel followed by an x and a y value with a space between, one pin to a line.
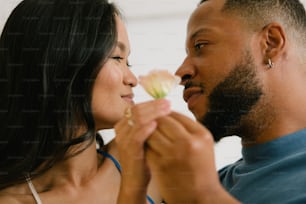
pixel 132 132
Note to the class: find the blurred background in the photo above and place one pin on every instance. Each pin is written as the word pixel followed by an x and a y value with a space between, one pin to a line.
pixel 157 31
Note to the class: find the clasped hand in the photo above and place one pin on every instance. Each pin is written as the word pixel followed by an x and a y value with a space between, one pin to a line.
pixel 174 149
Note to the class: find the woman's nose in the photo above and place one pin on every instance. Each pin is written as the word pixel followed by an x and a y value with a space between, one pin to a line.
pixel 130 78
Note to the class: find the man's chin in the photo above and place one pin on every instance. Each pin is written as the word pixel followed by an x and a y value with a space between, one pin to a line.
pixel 217 136
pixel 198 117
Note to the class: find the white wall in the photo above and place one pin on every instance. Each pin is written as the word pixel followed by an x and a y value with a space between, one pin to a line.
pixel 157 35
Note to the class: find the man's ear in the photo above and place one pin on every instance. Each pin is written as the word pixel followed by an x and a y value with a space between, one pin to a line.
pixel 273 41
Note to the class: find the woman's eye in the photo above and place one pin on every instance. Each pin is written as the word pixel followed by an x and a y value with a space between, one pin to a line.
pixel 117 58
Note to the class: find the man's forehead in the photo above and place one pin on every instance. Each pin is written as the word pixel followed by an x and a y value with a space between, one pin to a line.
pixel 219 2
pixel 200 31
pixel 202 21
pixel 208 15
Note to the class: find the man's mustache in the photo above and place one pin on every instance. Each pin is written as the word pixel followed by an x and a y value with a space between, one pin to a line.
pixel 190 84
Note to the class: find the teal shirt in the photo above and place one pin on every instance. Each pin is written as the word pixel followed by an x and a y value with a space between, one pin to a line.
pixel 269 173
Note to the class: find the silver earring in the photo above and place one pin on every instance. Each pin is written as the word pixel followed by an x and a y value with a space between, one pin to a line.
pixel 270 63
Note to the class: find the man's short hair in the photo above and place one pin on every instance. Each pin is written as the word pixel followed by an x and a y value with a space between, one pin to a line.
pixel 258 13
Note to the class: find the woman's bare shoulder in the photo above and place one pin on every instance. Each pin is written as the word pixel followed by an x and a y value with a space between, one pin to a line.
pixel 8 199
pixel 12 196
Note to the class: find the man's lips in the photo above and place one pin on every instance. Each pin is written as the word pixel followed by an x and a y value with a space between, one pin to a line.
pixel 191 93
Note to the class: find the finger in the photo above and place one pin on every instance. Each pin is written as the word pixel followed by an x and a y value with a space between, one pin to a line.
pixel 145 112
pixel 135 136
pixel 156 141
pixel 190 125
pixel 176 126
pixel 151 157
pixel 141 134
pixel 170 128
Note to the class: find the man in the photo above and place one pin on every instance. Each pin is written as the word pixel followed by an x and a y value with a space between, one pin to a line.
pixel 244 74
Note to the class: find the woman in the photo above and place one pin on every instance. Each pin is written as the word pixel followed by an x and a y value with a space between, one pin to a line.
pixel 64 75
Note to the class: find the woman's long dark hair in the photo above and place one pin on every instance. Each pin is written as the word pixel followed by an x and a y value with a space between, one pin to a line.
pixel 50 54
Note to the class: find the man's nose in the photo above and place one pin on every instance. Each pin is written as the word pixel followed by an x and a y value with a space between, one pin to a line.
pixel 186 71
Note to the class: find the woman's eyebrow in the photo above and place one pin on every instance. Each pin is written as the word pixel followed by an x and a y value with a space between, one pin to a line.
pixel 122 47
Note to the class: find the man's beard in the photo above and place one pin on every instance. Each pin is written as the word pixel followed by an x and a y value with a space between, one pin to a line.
pixel 232 98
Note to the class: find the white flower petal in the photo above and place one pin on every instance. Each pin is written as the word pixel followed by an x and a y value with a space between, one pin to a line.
pixel 158 83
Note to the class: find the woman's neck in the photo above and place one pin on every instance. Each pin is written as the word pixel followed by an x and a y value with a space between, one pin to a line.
pixel 74 171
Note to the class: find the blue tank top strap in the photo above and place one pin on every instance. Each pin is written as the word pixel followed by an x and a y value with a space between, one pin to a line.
pixel 150 199
pixel 118 166
pixel 107 155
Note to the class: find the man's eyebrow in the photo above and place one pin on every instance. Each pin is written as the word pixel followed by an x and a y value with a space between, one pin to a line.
pixel 196 33
pixel 200 31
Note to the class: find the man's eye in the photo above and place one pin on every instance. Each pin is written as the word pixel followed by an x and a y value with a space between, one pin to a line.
pixel 199 46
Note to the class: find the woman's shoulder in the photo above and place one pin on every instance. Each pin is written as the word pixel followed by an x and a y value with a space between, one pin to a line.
pixel 15 195
pixel 10 199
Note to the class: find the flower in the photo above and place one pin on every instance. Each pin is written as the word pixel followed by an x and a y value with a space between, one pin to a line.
pixel 158 83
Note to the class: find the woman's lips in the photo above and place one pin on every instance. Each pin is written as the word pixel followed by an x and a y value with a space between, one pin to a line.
pixel 128 98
